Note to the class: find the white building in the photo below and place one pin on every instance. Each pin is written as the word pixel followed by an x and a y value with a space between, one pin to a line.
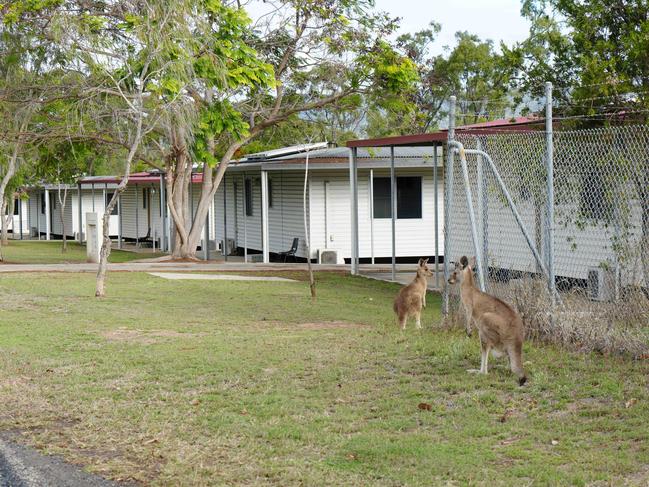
pixel 140 215
pixel 241 201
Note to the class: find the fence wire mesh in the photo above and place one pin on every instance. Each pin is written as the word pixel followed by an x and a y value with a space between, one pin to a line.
pixel 601 232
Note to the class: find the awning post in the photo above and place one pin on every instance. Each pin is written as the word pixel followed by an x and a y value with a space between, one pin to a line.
pixel 264 216
pixel 353 189
pixel 48 220
pixel 80 212
pixel 393 213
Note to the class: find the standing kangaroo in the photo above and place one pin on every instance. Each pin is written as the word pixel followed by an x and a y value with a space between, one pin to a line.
pixel 412 297
pixel 499 326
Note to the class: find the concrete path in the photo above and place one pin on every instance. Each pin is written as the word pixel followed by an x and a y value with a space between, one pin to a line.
pixel 405 272
pixel 217 277
pixel 405 278
pixel 167 266
pixel 21 466
pixel 198 266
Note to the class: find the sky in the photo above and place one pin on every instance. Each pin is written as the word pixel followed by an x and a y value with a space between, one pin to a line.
pixel 489 19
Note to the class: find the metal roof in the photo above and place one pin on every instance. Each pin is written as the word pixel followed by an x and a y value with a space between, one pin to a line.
pixel 341 154
pixel 521 124
pixel 283 151
pixel 322 158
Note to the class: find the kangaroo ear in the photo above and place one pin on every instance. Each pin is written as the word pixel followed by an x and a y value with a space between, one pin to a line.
pixel 426 261
pixel 464 261
pixel 421 262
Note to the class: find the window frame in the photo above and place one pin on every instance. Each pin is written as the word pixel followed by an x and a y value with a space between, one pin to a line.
pixel 387 215
pixel 109 196
pixel 248 199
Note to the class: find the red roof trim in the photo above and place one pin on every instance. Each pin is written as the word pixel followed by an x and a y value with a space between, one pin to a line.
pixel 520 124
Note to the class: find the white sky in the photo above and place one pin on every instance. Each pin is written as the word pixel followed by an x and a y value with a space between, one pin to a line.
pixel 489 19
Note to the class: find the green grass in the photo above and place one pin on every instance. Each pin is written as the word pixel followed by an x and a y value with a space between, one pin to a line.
pixel 221 383
pixel 49 252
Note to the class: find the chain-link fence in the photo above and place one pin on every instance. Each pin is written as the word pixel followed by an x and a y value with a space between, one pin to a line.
pixel 601 232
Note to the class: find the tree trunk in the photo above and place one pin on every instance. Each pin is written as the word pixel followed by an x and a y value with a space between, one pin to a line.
pixel 306 230
pixel 8 207
pixel 12 167
pixel 4 238
pixel 100 289
pixel 62 202
pixel 190 230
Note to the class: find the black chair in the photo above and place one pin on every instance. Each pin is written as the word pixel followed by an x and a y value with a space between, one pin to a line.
pixel 291 251
pixel 145 241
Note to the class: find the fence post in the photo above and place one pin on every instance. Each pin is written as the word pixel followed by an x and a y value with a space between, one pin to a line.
pixel 436 206
pixel 549 161
pixel 393 212
pixel 448 198
pixel 483 209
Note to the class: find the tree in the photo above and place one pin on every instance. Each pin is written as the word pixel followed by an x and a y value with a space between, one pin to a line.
pixel 311 55
pixel 473 70
pixel 62 163
pixel 216 82
pixel 17 109
pixel 122 65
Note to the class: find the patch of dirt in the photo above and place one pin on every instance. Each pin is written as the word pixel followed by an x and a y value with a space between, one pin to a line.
pixel 144 337
pixel 583 404
pixel 317 325
pixel 329 325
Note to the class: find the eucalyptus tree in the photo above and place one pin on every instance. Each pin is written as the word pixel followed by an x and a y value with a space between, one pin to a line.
pixel 17 113
pixel 120 58
pixel 302 56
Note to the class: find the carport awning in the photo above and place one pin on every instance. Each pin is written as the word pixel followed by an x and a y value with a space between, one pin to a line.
pixel 519 124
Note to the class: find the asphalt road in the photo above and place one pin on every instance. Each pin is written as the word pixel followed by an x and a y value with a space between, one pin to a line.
pixel 21 466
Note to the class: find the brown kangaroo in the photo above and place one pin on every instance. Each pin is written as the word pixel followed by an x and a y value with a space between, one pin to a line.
pixel 499 326
pixel 412 297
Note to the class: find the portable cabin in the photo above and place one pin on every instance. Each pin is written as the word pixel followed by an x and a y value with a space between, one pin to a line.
pixel 274 183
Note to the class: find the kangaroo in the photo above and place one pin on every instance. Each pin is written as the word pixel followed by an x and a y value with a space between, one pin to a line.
pixel 412 297
pixel 500 328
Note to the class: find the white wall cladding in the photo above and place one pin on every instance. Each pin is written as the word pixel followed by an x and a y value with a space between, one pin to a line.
pixel 14 222
pixel 329 217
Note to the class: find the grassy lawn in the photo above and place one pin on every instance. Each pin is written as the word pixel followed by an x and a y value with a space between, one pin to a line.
pixel 242 383
pixel 49 252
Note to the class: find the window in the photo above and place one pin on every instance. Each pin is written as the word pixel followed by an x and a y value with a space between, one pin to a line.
pixel 109 196
pixel 248 196
pixel 145 196
pixel 408 197
pixel 16 206
pixel 270 193
pixel 42 204
pixel 382 198
pixel 53 201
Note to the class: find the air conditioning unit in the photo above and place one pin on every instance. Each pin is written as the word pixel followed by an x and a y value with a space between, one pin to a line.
pixel 212 245
pixel 600 284
pixel 228 247
pixel 327 256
